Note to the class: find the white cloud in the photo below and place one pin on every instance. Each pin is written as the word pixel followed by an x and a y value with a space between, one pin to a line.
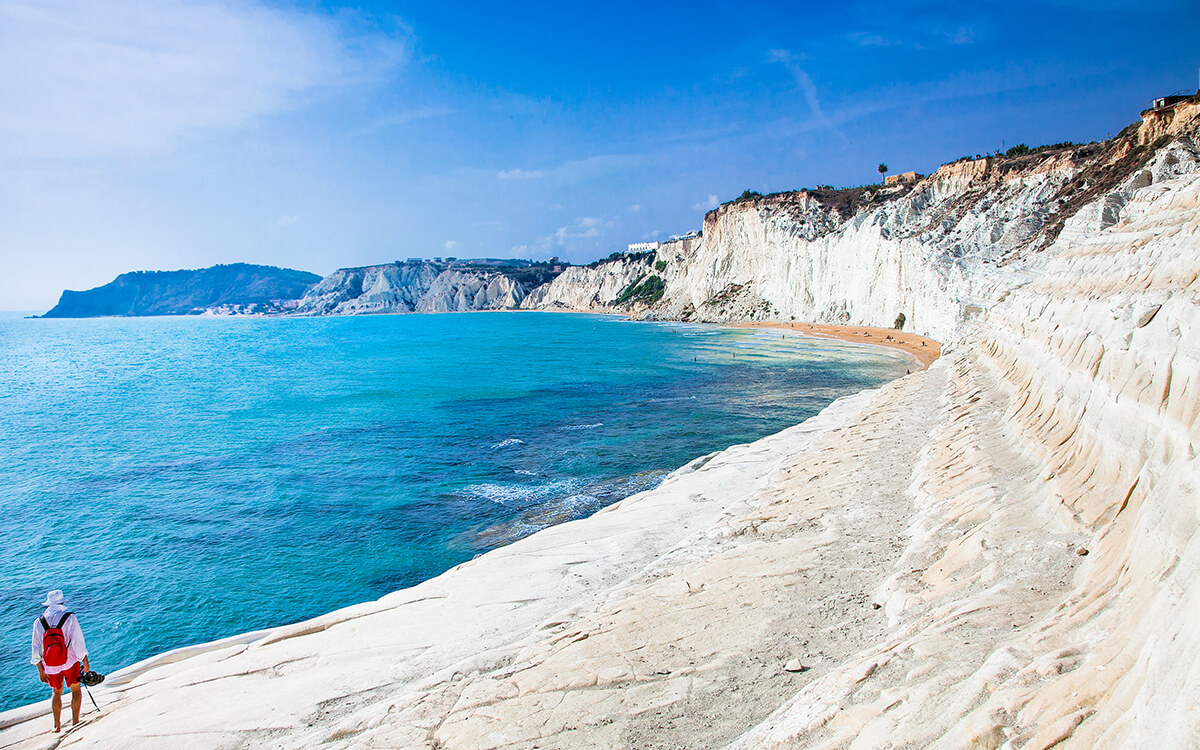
pixel 706 205
pixel 635 208
pixel 450 244
pixel 582 228
pixel 805 83
pixel 579 169
pixel 287 221
pixel 86 78
pixel 520 174
pixel 863 39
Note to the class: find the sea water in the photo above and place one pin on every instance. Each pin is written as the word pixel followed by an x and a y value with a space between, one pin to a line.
pixel 186 479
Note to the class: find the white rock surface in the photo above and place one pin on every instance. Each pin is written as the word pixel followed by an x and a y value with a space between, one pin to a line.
pixel 411 287
pixel 584 288
pixel 1065 418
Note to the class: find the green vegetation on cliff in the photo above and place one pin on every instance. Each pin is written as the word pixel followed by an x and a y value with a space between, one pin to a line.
pixel 649 291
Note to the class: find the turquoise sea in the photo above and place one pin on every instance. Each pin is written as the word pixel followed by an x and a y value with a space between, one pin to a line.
pixel 186 479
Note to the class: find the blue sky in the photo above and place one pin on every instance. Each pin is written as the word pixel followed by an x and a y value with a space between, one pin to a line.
pixel 169 134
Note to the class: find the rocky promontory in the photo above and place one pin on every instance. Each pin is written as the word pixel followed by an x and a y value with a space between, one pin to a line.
pixel 427 286
pixel 222 289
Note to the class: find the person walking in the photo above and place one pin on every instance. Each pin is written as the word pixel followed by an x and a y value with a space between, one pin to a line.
pixel 60 654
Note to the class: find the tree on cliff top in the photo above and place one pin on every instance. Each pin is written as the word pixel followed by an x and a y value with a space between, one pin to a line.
pixel 882 169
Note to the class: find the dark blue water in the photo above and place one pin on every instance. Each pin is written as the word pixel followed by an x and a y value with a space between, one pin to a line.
pixel 185 479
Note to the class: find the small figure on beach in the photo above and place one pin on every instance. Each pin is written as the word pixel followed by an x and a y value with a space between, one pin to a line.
pixel 60 654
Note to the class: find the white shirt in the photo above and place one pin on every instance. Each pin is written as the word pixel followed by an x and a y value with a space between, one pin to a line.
pixel 76 648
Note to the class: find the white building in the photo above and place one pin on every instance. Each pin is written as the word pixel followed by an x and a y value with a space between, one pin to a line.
pixel 643 247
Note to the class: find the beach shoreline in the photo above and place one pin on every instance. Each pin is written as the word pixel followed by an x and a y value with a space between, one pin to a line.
pixel 179 658
pixel 923 349
pixel 450 616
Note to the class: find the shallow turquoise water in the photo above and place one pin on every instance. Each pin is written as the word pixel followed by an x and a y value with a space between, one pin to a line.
pixel 185 479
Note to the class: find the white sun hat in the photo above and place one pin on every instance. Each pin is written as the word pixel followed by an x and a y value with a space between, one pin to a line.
pixel 53 598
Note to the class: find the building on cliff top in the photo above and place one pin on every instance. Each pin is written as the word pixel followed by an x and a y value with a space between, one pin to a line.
pixel 1170 101
pixel 643 247
pixel 902 178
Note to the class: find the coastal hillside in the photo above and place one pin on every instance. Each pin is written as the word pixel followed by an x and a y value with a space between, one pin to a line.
pixel 935 251
pixel 426 286
pixel 999 551
pixel 222 289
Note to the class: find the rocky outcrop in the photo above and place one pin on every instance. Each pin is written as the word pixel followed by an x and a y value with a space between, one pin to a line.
pixel 224 289
pixel 594 287
pixel 1048 584
pixel 424 286
pixel 935 251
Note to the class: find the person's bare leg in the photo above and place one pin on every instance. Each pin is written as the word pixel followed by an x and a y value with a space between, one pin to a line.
pixel 56 706
pixel 76 702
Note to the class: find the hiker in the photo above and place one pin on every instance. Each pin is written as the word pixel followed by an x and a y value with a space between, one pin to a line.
pixel 59 653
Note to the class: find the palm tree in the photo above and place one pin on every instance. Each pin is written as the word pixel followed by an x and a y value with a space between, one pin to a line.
pixel 882 168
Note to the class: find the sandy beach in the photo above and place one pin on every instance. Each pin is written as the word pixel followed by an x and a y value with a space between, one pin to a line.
pixel 925 350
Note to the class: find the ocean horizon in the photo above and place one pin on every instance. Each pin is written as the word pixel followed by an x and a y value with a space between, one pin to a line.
pixel 188 479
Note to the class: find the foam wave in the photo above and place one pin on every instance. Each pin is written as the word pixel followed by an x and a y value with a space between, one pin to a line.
pixel 583 426
pixel 520 495
pixel 507 443
pixel 556 506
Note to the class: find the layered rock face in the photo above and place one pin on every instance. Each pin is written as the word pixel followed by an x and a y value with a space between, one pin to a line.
pixel 1048 589
pixel 588 287
pixel 421 286
pixel 934 252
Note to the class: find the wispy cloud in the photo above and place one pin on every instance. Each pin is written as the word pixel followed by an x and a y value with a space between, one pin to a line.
pixel 86 78
pixel 400 119
pixel 924 34
pixel 582 228
pixel 577 169
pixel 706 205
pixel 520 174
pixel 806 86
pixel 864 39
pixel 287 221
pixel 450 244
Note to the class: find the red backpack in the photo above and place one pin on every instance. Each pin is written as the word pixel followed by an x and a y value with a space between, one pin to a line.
pixel 54 643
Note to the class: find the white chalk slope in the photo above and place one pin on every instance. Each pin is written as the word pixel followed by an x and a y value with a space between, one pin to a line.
pixel 1000 551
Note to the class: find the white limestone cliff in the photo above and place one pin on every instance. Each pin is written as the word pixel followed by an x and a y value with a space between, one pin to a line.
pixel 415 286
pixel 1002 551
pixel 932 253
pixel 588 287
